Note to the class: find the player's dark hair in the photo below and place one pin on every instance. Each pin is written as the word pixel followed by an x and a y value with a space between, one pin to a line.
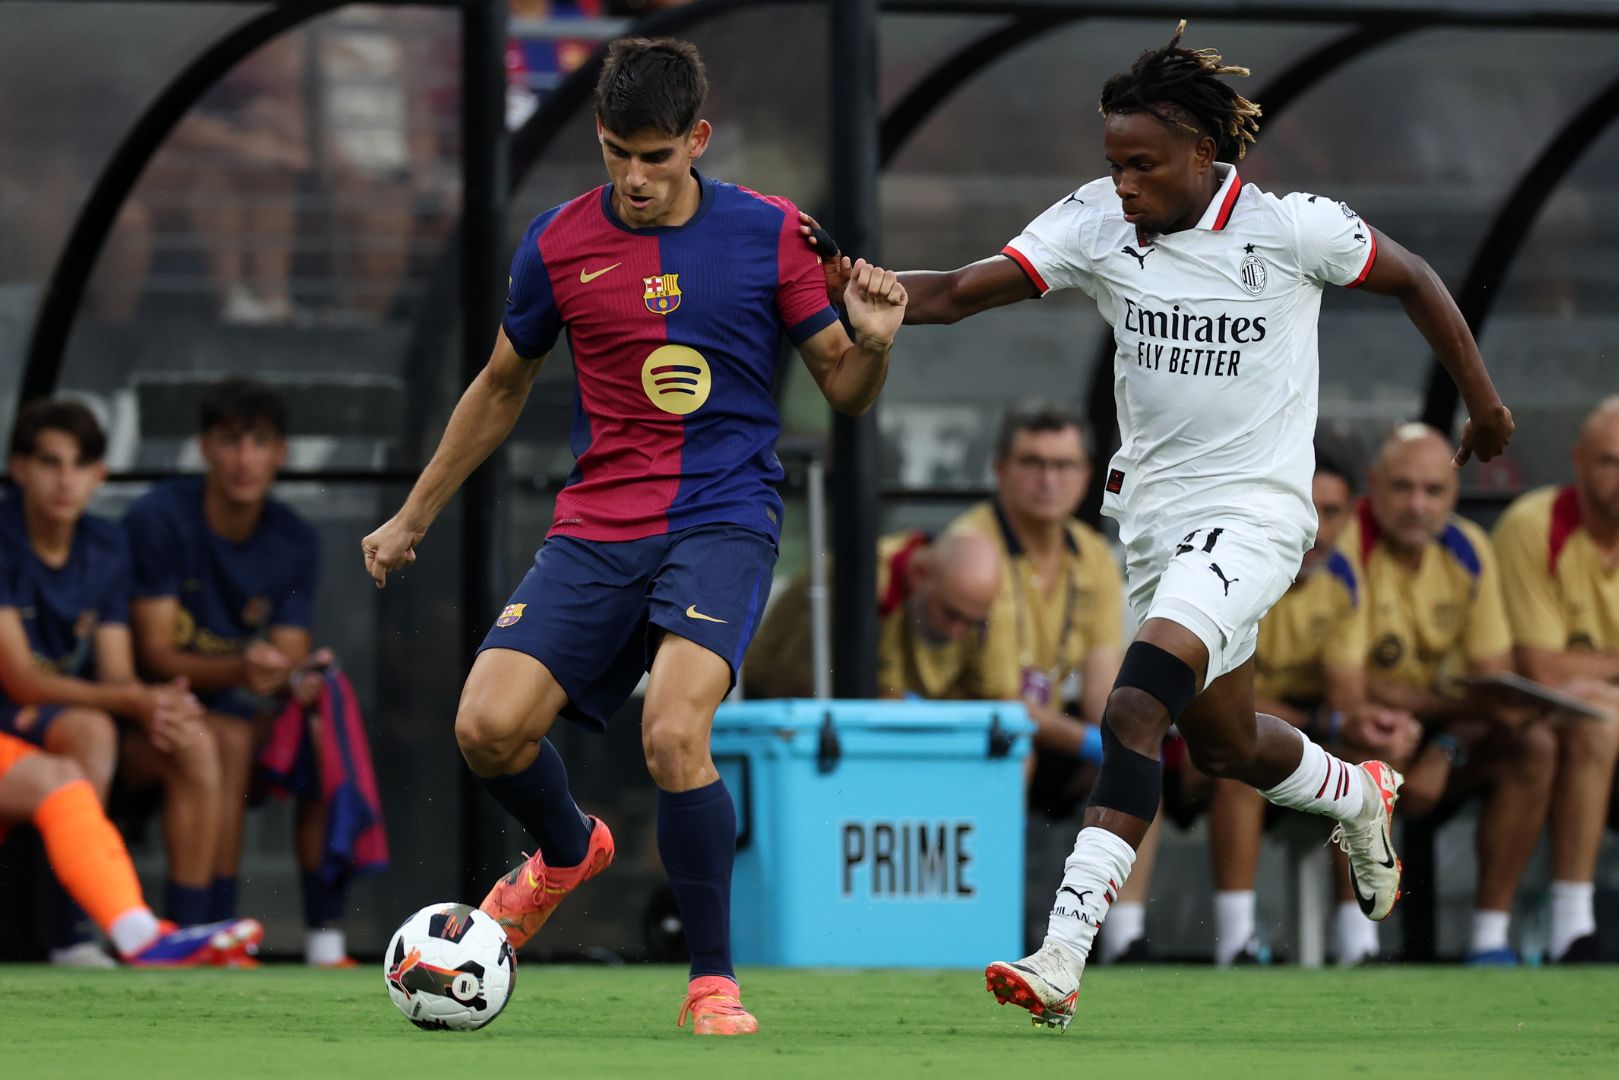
pixel 1039 414
pixel 59 414
pixel 1328 461
pixel 1182 89
pixel 646 83
pixel 243 403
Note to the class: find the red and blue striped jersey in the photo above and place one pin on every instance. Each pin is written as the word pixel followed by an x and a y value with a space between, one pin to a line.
pixel 674 332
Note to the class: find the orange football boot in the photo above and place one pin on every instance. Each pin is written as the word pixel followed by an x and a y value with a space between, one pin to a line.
pixel 522 900
pixel 715 1005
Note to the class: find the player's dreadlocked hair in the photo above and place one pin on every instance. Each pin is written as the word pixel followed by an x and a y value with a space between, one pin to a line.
pixel 1182 89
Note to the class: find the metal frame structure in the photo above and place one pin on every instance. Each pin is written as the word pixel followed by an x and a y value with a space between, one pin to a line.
pixel 862 144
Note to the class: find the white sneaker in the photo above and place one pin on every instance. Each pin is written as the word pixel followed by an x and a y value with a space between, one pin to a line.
pixel 1374 872
pixel 1046 983
pixel 86 954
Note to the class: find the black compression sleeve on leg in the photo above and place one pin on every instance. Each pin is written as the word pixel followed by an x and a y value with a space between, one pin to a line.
pixel 1128 782
pixel 1162 674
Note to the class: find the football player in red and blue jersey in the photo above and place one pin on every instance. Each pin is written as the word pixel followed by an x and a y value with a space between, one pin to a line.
pixel 674 290
pixel 67 665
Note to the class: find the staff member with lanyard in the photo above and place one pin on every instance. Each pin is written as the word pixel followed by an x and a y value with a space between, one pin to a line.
pixel 1059 614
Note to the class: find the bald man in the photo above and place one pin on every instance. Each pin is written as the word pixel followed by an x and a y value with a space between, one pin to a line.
pixel 1435 611
pixel 934 596
pixel 1559 547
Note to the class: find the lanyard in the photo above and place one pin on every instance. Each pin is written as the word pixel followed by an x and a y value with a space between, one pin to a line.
pixel 1025 615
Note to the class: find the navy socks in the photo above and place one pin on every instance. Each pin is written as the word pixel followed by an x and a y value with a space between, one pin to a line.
pixel 697 841
pixel 539 799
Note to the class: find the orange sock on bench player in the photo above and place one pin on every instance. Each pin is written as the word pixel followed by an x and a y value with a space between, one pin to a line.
pixel 89 858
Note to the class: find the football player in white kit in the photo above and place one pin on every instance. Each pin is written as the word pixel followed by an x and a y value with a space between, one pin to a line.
pixel 1213 288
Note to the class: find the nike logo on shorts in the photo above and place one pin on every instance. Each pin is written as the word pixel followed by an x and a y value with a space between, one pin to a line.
pixel 693 613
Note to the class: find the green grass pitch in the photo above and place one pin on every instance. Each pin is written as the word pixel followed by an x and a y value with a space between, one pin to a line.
pixel 563 1022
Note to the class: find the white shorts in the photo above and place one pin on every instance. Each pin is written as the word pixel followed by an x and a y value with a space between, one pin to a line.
pixel 1217 576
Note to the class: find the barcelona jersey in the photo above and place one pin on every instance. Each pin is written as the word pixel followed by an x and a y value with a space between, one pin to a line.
pixel 228 593
pixel 674 332
pixel 61 606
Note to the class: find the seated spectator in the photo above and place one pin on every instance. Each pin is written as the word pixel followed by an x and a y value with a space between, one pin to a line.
pixel 90 861
pixel 1310 670
pixel 933 598
pixel 1434 610
pixel 1558 547
pixel 1057 621
pixel 224 597
pixel 65 652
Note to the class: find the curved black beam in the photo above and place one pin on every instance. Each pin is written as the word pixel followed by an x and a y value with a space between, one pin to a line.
pixel 1507 233
pixel 911 111
pixel 1101 410
pixel 65 288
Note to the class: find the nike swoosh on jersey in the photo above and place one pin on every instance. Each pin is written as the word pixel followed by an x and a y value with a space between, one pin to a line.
pixel 587 278
pixel 693 613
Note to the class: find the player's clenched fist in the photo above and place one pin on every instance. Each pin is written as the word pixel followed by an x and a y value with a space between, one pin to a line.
pixel 875 300
pixel 1486 436
pixel 391 547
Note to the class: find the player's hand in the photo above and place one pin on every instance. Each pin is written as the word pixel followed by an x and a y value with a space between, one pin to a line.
pixel 1485 437
pixel 876 302
pixel 1391 734
pixel 176 716
pixel 305 680
pixel 265 668
pixel 392 547
pixel 835 265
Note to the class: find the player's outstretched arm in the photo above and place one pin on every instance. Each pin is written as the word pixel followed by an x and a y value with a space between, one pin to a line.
pixel 482 419
pixel 851 374
pixel 1408 277
pixel 936 296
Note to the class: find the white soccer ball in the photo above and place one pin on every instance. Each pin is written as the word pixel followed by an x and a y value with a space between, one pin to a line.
pixel 450 967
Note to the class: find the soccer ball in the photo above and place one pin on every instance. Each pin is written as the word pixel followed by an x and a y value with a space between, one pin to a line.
pixel 450 967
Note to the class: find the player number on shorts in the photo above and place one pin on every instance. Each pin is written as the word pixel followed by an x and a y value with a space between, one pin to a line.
pixel 1208 544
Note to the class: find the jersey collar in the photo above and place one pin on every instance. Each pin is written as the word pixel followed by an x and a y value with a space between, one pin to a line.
pixel 703 207
pixel 1009 538
pixel 1219 210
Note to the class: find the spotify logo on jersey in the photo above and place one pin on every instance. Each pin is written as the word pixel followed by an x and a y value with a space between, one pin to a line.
pixel 676 379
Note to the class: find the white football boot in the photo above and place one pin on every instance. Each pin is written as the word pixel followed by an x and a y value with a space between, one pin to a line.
pixel 1374 871
pixel 1046 983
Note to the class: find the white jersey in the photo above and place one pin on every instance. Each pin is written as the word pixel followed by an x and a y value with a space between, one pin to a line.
pixel 1215 373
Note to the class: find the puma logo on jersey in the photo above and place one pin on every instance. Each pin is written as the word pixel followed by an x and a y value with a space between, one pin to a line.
pixel 1214 566
pixel 1074 198
pixel 1139 256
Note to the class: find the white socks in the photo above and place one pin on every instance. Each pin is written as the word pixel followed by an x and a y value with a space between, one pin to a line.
pixel 1489 930
pixel 1129 923
pixel 1322 784
pixel 1233 924
pixel 1573 905
pixel 133 931
pixel 323 948
pixel 1354 936
pixel 1093 874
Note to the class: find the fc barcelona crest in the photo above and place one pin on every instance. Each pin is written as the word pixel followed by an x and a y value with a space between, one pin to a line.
pixel 512 613
pixel 662 293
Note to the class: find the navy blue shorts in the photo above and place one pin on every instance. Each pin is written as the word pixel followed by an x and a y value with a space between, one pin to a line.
pixel 28 722
pixel 593 611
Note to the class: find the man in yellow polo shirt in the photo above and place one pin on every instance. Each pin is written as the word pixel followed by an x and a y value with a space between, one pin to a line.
pixel 1559 552
pixel 1435 612
pixel 934 597
pixel 1310 670
pixel 1059 616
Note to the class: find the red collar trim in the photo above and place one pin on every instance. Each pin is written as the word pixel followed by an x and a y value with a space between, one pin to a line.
pixel 1370 531
pixel 1224 215
pixel 899 585
pixel 1565 520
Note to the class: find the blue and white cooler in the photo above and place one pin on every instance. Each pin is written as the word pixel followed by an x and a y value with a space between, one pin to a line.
pixel 875 833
